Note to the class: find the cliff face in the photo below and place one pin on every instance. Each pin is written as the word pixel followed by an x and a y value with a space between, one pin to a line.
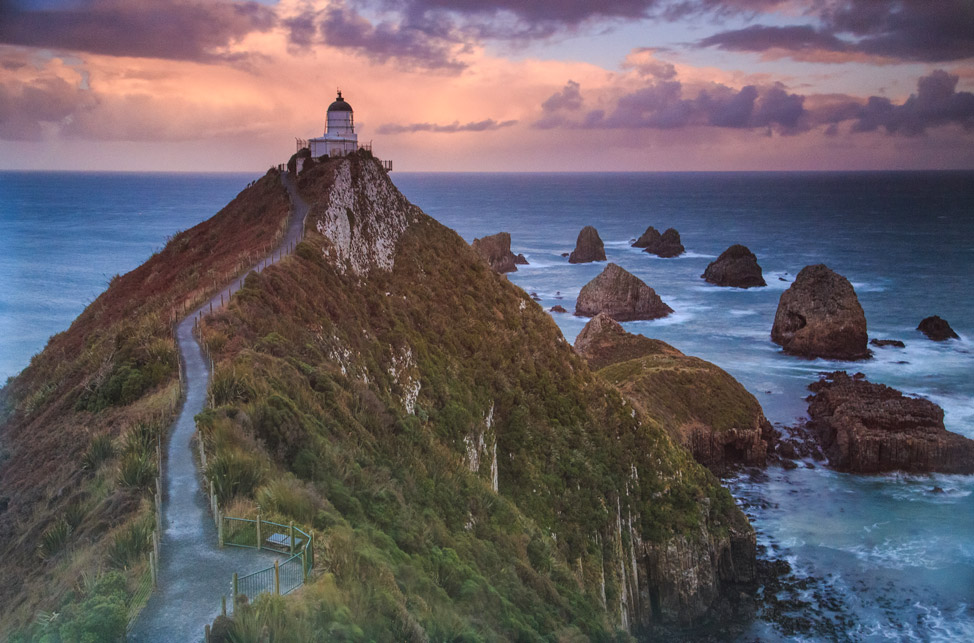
pixel 451 447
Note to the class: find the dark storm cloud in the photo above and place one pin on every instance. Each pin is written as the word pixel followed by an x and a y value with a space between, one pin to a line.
pixel 664 106
pixel 171 29
pixel 479 126
pixel 430 43
pixel 937 102
pixel 917 30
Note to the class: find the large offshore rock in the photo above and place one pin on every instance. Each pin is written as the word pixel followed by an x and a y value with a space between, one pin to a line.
pixel 871 428
pixel 820 316
pixel 588 247
pixel 937 329
pixel 621 295
pixel 736 267
pixel 699 404
pixel 662 245
pixel 496 250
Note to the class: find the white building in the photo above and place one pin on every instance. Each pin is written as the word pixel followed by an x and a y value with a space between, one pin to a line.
pixel 340 137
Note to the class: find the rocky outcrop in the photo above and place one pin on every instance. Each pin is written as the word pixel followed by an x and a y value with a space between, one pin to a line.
pixel 621 295
pixel 736 267
pixel 588 247
pixel 699 404
pixel 496 251
pixel 820 316
pixel 884 343
pixel 663 245
pixel 558 308
pixel 871 428
pixel 521 260
pixel 937 329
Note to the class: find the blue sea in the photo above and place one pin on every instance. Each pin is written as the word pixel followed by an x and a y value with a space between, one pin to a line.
pixel 876 558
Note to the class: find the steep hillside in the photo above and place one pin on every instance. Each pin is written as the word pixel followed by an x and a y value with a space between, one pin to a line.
pixel 467 475
pixel 79 425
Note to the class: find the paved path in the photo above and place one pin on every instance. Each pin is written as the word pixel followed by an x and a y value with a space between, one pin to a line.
pixel 193 571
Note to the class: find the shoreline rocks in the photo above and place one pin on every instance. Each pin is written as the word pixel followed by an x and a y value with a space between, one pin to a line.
pixel 736 267
pixel 884 343
pixel 871 428
pixel 496 250
pixel 621 295
pixel 937 329
pixel 664 245
pixel 699 404
pixel 588 247
pixel 819 316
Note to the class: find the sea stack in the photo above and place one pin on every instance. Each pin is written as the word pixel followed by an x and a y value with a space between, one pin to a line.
pixel 588 247
pixel 820 316
pixel 621 295
pixel 496 250
pixel 662 245
pixel 736 267
pixel 937 329
pixel 872 428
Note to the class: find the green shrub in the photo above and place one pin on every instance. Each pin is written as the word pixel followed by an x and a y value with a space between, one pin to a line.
pixel 54 539
pixel 287 497
pixel 137 471
pixel 234 472
pixel 101 449
pixel 130 544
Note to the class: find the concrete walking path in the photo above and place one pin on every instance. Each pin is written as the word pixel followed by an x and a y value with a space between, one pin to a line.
pixel 193 571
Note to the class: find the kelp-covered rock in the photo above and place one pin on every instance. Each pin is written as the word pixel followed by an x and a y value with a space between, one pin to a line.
pixel 496 251
pixel 664 245
pixel 820 316
pixel 702 406
pixel 588 247
pixel 736 267
pixel 621 295
pixel 872 428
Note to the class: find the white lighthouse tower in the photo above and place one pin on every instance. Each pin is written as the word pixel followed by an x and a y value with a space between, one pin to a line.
pixel 340 137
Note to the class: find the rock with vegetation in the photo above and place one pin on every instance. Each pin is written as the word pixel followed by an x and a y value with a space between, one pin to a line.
pixel 820 316
pixel 496 251
pixel 736 267
pixel 937 329
pixel 621 295
pixel 664 245
pixel 588 247
pixel 872 428
pixel 699 404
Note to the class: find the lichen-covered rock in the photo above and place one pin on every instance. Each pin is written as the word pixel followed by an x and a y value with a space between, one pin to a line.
pixel 736 267
pixel 699 404
pixel 588 247
pixel 871 428
pixel 937 329
pixel 662 245
pixel 820 316
pixel 621 295
pixel 496 251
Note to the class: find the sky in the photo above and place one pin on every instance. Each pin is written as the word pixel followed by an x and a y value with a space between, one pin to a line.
pixel 490 85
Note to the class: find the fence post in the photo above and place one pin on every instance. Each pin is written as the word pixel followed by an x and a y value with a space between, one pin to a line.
pixel 258 531
pixel 304 566
pixel 219 528
pixel 152 568
pixel 311 547
pixel 223 605
pixel 277 578
pixel 233 601
pixel 206 633
pixel 291 536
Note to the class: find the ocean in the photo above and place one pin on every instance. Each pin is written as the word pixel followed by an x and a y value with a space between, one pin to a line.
pixel 873 558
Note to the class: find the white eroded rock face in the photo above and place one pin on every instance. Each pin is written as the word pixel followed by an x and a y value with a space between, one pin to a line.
pixel 363 216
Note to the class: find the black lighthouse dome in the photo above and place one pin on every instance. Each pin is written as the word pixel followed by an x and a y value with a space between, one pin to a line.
pixel 339 105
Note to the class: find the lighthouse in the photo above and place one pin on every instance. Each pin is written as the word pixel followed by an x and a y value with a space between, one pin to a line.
pixel 340 137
